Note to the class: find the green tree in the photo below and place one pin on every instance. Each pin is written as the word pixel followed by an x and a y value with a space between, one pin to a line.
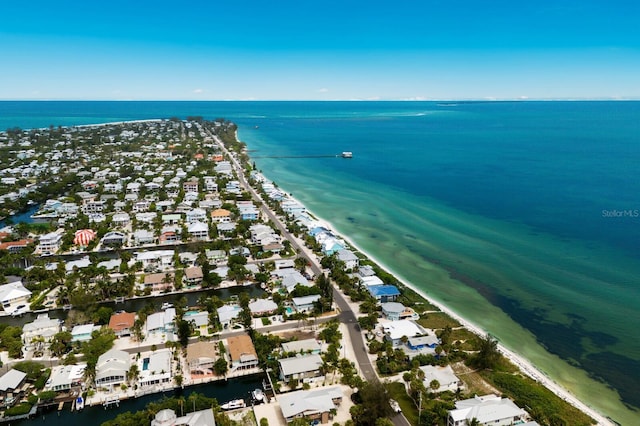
pixel 488 355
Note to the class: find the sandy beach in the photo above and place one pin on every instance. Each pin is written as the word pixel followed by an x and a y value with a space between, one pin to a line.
pixel 522 363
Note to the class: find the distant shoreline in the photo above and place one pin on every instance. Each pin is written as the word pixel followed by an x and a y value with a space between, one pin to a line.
pixel 521 362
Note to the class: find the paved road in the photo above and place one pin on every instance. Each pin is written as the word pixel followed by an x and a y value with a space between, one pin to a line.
pixel 347 316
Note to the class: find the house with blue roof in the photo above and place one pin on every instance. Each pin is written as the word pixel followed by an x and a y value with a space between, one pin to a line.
pixel 384 293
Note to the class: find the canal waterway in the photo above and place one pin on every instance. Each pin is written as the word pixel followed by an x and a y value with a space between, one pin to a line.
pixel 222 390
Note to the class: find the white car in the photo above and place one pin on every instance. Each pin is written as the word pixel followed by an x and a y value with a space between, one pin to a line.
pixel 395 406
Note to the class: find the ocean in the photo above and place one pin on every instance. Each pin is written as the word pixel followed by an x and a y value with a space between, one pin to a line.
pixel 522 217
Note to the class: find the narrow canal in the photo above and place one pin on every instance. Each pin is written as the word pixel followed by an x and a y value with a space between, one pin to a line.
pixel 223 391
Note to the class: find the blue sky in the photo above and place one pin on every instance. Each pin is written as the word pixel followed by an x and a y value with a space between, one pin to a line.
pixel 254 49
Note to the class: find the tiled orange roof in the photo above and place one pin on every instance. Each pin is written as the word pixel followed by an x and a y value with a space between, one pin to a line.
pixel 122 321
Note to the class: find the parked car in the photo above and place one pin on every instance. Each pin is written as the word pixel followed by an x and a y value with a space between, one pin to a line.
pixel 395 406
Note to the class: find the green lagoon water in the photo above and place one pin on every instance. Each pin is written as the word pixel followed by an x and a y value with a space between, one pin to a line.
pixel 521 217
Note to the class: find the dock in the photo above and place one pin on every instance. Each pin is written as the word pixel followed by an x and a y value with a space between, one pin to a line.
pixel 110 402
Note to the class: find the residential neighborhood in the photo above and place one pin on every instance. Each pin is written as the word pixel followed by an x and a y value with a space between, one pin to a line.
pixel 164 209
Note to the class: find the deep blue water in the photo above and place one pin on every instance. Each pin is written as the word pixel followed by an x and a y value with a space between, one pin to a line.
pixel 532 206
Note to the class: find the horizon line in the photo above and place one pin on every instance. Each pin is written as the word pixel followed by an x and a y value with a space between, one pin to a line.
pixel 520 99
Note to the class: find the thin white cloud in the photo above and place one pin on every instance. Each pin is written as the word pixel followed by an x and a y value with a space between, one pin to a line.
pixel 323 90
pixel 198 91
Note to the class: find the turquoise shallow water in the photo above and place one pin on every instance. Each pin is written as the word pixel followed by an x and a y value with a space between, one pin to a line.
pixel 529 206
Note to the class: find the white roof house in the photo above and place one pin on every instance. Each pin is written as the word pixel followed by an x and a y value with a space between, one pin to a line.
pixel 395 330
pixel 311 403
pixel 262 306
pixel 158 369
pixel 11 380
pixel 13 295
pixel 82 333
pixel 488 410
pixel 300 367
pixel 294 278
pixel 305 303
pixel 227 313
pixel 302 346
pixel 112 367
pixel 65 376
pixel 444 375
pixel 42 326
pixel 168 417
pixel 350 260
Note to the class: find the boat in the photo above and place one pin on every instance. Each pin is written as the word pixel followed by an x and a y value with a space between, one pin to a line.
pixel 347 154
pixel 234 404
pixel 79 403
pixel 166 305
pixel 258 395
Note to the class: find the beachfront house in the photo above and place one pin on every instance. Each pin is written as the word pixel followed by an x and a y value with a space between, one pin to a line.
pixel 384 293
pixel 351 261
pixel 395 311
pixel 313 405
pixel 487 410
pixel 306 368
pixel 394 331
pixel 445 377
pixel 242 352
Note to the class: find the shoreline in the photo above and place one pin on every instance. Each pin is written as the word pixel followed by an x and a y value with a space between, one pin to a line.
pixel 523 364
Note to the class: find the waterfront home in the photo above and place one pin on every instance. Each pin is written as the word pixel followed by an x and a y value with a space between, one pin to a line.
pixel 14 295
pixel 226 315
pixel 384 293
pixel 445 377
pixel 292 207
pixel 305 303
pixel 64 377
pixel 193 275
pixel 304 368
pixel 50 243
pixel 487 410
pixel 171 219
pixel 10 384
pixel 200 357
pixel 198 231
pixel 82 333
pixel 395 311
pixel 312 405
pixel 157 282
pixel 160 322
pixel 122 322
pixel 168 417
pixel 371 280
pixel 306 346
pixel 351 261
pixel 156 368
pixel 395 330
pixel 110 264
pixel 199 320
pixel 37 334
pixel 169 235
pixel 242 352
pixel 112 368
pixel 262 307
